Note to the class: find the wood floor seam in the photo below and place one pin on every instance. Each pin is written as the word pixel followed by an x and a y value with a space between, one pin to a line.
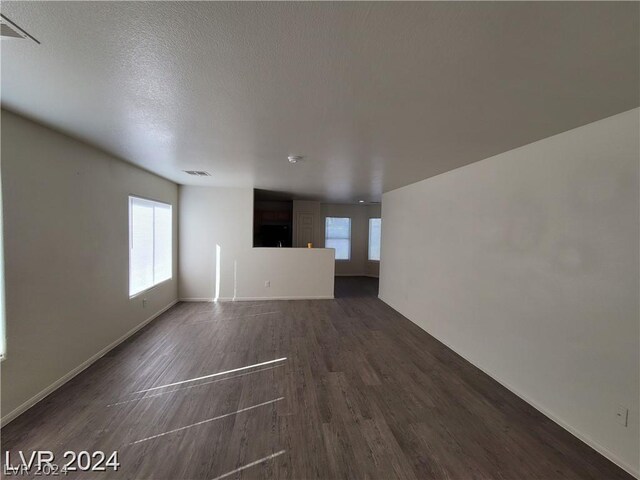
pixel 287 389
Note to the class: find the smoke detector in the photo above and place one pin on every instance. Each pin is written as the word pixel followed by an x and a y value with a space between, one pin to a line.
pixel 294 158
pixel 10 30
pixel 197 173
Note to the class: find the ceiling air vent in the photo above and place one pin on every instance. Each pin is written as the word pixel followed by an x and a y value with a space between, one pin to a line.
pixel 197 173
pixel 9 30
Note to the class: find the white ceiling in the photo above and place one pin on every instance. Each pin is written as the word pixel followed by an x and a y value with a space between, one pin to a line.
pixel 375 95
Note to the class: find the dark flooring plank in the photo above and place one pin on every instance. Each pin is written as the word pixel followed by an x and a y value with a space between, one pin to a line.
pixel 351 390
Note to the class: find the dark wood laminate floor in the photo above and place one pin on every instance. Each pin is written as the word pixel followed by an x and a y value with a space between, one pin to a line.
pixel 352 390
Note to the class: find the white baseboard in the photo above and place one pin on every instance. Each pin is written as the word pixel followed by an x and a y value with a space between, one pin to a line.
pixel 255 299
pixel 579 435
pixel 83 366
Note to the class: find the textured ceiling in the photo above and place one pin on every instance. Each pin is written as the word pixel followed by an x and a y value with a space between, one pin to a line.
pixel 375 95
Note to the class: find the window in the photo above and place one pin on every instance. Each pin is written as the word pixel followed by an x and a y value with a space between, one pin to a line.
pixel 150 238
pixel 3 343
pixel 338 235
pixel 375 225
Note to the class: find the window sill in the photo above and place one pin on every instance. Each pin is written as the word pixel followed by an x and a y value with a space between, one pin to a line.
pixel 147 290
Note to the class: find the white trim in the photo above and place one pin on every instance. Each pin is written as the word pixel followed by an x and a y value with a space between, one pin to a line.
pixel 146 290
pixel 253 299
pixel 579 435
pixel 83 366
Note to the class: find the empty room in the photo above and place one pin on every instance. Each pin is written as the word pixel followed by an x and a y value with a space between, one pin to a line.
pixel 320 240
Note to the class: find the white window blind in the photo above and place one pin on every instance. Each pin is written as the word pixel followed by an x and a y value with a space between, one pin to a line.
pixel 375 225
pixel 338 236
pixel 150 240
pixel 3 344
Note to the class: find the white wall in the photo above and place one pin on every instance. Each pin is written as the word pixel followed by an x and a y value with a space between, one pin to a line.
pixel 359 263
pixel 211 217
pixel 67 256
pixel 220 220
pixel 527 265
pixel 292 273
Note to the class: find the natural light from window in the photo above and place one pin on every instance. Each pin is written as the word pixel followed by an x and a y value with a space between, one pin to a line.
pixel 375 225
pixel 338 236
pixel 150 244
pixel 3 344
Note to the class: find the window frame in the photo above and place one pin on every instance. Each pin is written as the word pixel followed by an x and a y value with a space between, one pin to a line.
pixel 130 225
pixel 332 238
pixel 369 239
pixel 3 315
